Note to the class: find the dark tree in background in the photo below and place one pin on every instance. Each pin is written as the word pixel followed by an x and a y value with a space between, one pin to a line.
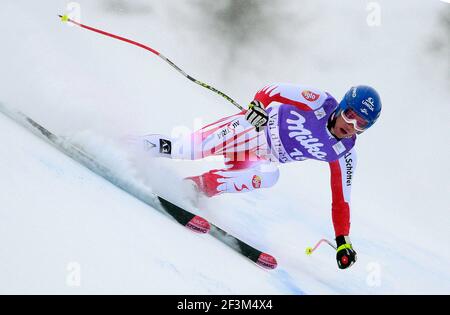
pixel 439 45
pixel 247 23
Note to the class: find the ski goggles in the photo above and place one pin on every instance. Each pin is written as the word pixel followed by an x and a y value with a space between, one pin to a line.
pixel 351 117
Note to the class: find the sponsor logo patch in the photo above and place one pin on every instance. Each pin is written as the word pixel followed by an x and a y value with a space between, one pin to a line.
pixel 310 96
pixel 304 136
pixel 349 168
pixel 276 145
pixel 223 132
pixel 230 128
pixel 165 146
pixel 320 113
pixel 256 181
pixel 369 103
pixel 339 148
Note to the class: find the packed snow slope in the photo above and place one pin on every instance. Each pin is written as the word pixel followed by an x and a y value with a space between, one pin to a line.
pixel 58 219
pixel 65 230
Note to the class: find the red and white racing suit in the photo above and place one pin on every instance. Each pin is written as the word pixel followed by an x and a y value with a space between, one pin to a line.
pixel 250 159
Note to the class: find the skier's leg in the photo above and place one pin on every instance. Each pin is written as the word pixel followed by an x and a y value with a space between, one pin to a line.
pixel 229 135
pixel 260 174
pixel 232 134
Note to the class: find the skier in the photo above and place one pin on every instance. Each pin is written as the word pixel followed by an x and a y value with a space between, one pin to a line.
pixel 284 123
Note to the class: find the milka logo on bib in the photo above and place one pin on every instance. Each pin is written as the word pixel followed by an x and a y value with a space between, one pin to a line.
pixel 304 136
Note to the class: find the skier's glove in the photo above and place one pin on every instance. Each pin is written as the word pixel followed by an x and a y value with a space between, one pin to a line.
pixel 256 115
pixel 345 255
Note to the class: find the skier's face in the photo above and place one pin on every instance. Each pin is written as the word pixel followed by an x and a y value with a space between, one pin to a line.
pixel 343 129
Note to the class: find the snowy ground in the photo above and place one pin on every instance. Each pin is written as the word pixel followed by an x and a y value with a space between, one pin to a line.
pixel 57 218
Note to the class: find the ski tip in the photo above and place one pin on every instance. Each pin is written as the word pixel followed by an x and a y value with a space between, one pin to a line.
pixel 267 261
pixel 199 225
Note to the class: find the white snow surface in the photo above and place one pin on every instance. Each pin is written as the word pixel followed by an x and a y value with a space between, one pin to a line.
pixel 66 230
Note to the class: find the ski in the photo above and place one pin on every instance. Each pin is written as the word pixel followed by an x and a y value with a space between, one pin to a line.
pixel 187 219
pixel 199 224
pixel 143 193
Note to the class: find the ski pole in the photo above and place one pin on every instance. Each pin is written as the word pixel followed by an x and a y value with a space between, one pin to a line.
pixel 310 250
pixel 65 18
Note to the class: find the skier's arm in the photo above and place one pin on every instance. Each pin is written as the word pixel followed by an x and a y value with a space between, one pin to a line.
pixel 302 97
pixel 342 171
